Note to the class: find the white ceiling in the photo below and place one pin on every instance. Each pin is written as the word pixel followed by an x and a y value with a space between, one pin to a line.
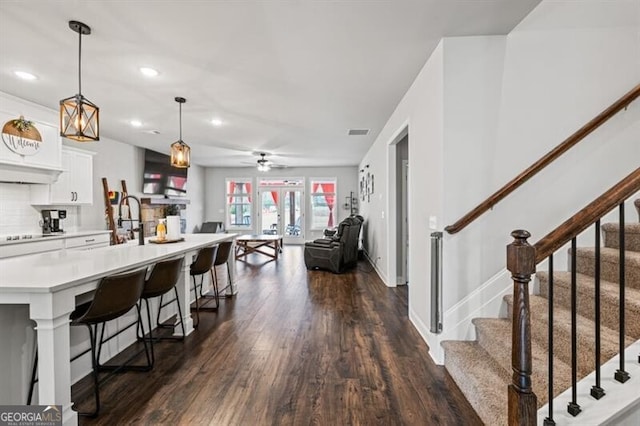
pixel 286 77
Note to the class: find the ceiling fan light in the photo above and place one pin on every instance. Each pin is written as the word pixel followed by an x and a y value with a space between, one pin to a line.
pixel 263 163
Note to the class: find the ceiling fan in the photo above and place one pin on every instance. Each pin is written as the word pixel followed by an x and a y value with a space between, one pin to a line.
pixel 264 165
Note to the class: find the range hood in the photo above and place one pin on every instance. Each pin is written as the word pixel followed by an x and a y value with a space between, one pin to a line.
pixel 27 173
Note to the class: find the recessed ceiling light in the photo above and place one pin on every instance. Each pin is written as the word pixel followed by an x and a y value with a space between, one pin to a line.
pixel 149 72
pixel 136 123
pixel 216 122
pixel 25 75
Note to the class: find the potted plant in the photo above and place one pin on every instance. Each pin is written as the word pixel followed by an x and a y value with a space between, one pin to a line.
pixel 172 210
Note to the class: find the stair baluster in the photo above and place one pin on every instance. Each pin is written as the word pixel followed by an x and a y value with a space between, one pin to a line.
pixel 548 421
pixel 621 375
pixel 573 407
pixel 596 390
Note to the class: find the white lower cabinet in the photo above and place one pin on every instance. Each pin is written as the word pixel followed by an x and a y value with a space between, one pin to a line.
pixel 39 246
pixel 87 242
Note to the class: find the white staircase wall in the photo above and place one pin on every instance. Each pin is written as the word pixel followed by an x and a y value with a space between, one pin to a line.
pixel 484 108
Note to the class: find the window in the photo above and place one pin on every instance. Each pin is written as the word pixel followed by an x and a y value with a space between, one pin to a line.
pixel 323 197
pixel 238 202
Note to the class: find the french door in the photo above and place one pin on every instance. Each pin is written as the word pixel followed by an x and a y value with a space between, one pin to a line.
pixel 282 212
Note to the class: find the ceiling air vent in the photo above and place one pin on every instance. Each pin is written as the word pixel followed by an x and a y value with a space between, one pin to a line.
pixel 358 132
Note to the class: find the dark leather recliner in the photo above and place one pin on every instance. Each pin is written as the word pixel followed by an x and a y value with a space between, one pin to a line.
pixel 337 252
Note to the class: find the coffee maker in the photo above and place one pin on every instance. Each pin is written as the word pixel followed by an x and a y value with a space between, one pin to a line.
pixel 51 221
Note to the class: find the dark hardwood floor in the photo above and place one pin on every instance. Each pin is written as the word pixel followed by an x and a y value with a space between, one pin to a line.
pixel 292 348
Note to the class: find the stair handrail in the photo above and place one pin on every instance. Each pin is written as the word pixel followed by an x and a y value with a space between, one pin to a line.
pixel 522 259
pixel 547 159
pixel 573 226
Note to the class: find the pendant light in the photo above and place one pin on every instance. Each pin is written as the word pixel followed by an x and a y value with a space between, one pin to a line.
pixel 180 151
pixel 79 117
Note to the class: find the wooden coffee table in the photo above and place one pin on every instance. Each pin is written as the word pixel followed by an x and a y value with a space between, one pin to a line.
pixel 247 244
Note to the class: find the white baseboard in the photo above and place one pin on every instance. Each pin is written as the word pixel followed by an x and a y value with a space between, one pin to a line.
pixel 486 301
pixel 432 340
pixel 382 276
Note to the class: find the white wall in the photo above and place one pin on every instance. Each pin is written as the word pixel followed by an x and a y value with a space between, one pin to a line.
pixel 421 110
pixel 120 161
pixel 347 181
pixel 485 108
pixel 563 65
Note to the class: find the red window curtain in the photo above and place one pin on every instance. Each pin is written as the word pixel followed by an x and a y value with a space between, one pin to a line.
pixel 330 198
pixel 232 187
pixel 274 195
pixel 248 185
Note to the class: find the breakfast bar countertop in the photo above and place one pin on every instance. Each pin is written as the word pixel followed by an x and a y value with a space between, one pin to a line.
pixel 56 270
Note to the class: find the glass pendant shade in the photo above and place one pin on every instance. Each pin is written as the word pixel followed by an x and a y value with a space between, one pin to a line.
pixel 180 155
pixel 79 119
pixel 180 151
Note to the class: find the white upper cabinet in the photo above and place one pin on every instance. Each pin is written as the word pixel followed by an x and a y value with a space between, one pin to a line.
pixel 75 183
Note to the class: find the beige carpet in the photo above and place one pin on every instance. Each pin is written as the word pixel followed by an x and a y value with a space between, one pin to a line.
pixel 482 368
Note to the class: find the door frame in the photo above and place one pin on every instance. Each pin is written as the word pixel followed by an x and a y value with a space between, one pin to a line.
pixel 404 220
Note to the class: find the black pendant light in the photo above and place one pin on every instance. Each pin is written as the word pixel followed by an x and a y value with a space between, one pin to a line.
pixel 79 117
pixel 180 151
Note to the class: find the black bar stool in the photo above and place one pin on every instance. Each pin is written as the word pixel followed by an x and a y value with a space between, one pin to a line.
pixel 115 296
pixel 202 265
pixel 162 280
pixel 222 258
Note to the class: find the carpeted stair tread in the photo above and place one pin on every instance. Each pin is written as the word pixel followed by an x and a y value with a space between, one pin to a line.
pixel 480 378
pixel 482 368
pixel 609 299
pixel 494 335
pixel 562 334
pixel 609 264
pixel 611 235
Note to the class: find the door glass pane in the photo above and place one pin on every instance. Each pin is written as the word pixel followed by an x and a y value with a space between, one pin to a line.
pixel 292 213
pixel 269 207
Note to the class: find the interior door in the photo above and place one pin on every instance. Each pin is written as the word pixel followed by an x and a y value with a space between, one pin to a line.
pixel 282 213
pixel 270 211
pixel 292 215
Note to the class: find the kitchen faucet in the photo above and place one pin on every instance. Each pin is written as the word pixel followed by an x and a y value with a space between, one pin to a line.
pixel 140 230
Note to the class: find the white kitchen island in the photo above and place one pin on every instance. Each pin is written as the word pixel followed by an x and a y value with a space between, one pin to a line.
pixel 49 283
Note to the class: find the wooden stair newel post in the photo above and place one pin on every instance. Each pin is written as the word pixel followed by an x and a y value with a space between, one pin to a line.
pixel 521 262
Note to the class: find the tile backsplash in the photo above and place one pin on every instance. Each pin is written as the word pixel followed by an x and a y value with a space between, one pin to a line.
pixel 18 216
